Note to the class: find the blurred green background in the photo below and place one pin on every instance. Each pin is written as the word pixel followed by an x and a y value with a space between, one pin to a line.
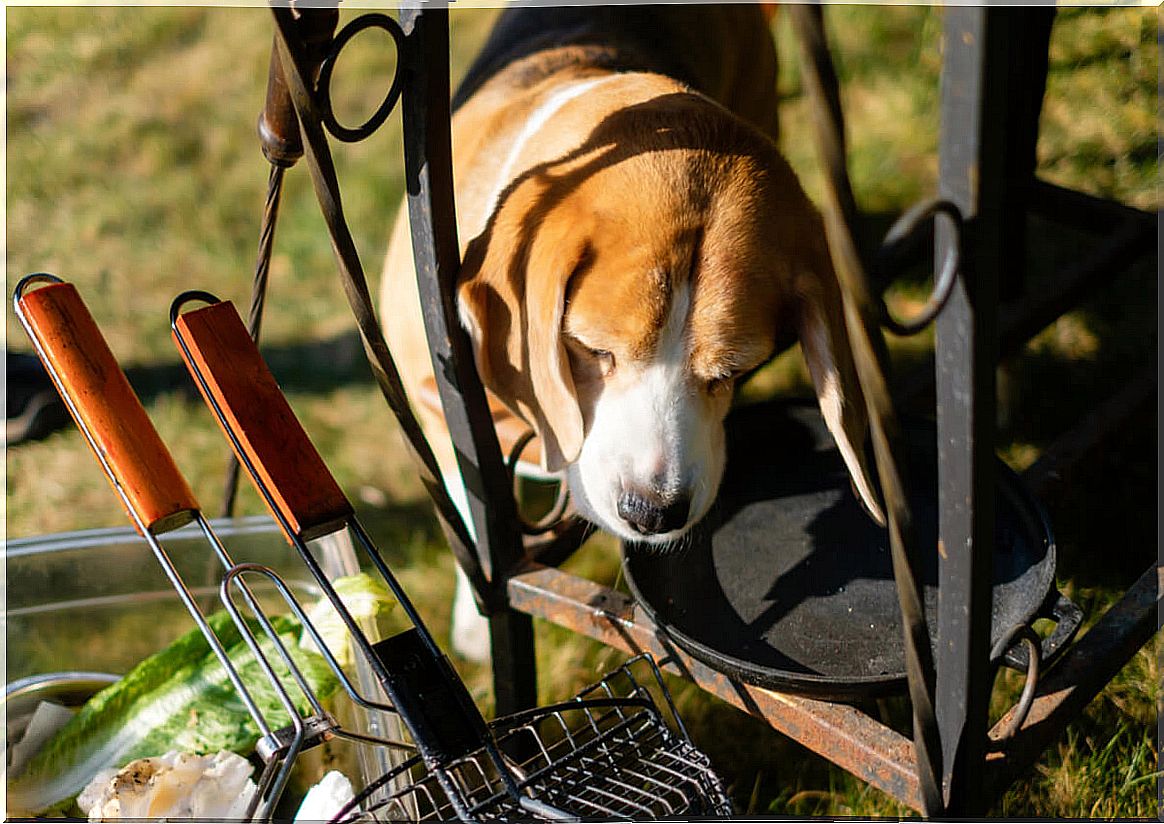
pixel 134 171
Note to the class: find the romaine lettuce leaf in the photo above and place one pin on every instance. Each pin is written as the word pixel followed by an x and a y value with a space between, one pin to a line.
pixel 177 699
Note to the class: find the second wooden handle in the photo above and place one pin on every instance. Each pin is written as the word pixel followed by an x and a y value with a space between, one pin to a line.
pixel 257 414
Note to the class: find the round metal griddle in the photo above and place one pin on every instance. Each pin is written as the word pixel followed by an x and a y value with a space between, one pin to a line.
pixel 788 584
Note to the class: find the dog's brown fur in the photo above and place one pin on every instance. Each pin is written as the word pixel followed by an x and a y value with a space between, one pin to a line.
pixel 640 186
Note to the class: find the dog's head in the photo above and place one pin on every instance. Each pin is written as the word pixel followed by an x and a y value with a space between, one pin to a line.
pixel 619 292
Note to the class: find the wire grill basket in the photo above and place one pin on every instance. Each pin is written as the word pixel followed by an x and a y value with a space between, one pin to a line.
pixel 609 754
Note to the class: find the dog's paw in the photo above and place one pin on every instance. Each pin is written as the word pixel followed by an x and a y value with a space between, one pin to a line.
pixel 470 630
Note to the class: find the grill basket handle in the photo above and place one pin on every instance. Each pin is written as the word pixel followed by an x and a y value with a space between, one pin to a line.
pixel 104 405
pixel 257 419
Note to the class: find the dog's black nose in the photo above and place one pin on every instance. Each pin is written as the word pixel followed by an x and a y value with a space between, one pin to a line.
pixel 648 515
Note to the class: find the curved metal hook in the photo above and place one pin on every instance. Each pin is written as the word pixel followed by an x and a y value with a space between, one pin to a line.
pixel 29 280
pixel 323 87
pixel 189 297
pixel 1020 633
pixel 552 518
pixel 905 231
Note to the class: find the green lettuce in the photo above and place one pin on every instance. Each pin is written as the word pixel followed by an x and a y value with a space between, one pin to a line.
pixel 178 699
pixel 367 600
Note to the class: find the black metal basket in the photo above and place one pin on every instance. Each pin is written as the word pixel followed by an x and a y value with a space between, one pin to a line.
pixel 607 754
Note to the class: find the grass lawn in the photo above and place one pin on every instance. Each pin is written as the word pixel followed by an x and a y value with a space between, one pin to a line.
pixel 133 170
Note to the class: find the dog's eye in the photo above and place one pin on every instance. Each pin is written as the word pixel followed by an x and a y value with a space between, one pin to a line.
pixel 605 360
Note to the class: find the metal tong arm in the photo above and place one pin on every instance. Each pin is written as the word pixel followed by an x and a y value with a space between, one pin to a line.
pixel 104 405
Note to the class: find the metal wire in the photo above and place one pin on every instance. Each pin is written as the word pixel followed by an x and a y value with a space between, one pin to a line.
pixel 258 301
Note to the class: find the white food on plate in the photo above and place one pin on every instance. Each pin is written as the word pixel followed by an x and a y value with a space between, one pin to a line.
pixel 325 799
pixel 176 785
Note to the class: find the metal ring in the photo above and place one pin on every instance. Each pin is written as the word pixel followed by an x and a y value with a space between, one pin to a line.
pixel 189 297
pixel 28 280
pixel 22 287
pixel 518 448
pixel 323 87
pixel 903 232
pixel 552 518
pixel 1020 633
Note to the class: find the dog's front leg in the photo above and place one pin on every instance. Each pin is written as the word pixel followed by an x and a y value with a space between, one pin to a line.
pixel 469 635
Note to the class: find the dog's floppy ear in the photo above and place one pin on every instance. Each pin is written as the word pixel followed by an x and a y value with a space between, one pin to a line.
pixel 825 343
pixel 512 300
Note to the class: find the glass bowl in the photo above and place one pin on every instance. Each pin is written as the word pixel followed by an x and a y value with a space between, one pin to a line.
pixel 97 600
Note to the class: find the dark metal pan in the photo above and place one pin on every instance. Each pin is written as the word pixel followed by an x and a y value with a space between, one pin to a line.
pixel 789 585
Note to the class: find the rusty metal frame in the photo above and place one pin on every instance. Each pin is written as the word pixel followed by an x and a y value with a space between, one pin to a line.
pixel 979 766
pixel 513 587
pixel 845 735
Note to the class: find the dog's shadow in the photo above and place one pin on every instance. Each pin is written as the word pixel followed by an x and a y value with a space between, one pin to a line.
pixel 35 410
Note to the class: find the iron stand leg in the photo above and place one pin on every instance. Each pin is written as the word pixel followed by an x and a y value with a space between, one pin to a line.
pixel 514 667
pixel 1028 73
pixel 428 158
pixel 994 75
pixel 972 150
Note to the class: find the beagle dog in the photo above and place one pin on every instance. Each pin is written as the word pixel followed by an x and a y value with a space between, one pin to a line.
pixel 633 243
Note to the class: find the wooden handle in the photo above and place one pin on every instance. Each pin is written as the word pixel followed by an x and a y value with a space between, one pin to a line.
pixel 266 433
pixel 104 406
